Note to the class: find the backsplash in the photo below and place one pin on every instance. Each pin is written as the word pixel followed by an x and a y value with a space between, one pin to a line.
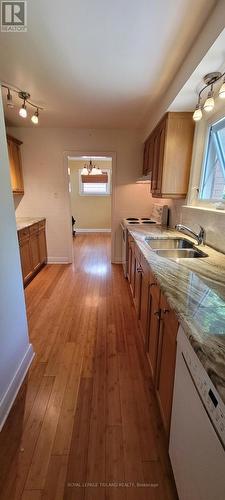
pixel 213 222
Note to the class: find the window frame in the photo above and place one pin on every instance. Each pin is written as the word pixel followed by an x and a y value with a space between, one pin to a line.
pixel 217 125
pixel 199 144
pixel 81 184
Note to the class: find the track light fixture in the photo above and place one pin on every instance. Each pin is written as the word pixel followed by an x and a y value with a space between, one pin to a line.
pixel 23 110
pixel 34 118
pixel 210 79
pixel 9 99
pixel 25 96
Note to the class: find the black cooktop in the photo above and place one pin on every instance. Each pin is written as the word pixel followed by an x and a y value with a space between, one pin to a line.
pixel 134 221
pixel 131 218
pixel 148 222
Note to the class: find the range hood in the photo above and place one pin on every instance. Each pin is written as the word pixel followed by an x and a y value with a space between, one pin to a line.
pixel 144 179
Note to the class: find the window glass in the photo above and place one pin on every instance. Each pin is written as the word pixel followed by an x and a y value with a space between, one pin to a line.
pixel 213 174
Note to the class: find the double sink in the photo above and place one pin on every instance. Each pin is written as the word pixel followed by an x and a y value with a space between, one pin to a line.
pixel 175 248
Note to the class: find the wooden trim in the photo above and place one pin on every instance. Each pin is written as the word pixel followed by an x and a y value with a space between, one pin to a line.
pixel 96 179
pixel 13 139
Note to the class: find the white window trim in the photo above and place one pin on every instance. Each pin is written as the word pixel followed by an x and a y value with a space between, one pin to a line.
pixel 200 145
pixel 81 192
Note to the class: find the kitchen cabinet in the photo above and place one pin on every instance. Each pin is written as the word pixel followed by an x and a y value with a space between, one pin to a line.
pixel 15 164
pixel 166 358
pixel 158 326
pixel 25 254
pixel 131 264
pixel 144 299
pixel 33 250
pixel 167 155
pixel 153 327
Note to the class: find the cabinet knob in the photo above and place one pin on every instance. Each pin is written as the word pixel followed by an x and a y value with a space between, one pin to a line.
pixel 153 284
pixel 157 314
pixel 166 311
pixel 139 270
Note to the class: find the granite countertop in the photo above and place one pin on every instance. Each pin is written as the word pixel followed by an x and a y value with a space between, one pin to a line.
pixel 22 222
pixel 195 289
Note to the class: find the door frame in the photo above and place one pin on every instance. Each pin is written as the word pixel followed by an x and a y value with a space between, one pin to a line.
pixel 82 152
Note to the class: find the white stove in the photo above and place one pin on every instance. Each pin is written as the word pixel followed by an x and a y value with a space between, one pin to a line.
pixel 158 217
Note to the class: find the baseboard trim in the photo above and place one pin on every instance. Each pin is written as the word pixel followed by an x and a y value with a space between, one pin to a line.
pixel 15 384
pixel 57 260
pixel 93 230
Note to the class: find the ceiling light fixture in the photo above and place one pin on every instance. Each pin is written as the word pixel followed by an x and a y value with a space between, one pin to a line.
pixel 210 79
pixel 197 116
pixel 23 110
pixel 25 96
pixel 34 118
pixel 222 90
pixel 91 169
pixel 209 103
pixel 9 99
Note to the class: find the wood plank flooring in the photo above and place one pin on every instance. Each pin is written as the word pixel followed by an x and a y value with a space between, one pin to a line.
pixel 85 424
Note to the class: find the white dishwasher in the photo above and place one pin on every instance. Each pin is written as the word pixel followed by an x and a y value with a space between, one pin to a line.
pixel 197 435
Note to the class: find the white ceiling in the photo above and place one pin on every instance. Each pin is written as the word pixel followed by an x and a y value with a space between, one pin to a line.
pixel 214 60
pixel 99 63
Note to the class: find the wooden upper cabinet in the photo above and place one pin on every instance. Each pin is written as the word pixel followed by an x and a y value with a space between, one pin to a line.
pixel 169 154
pixel 15 164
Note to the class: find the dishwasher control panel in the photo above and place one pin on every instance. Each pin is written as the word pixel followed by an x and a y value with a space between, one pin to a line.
pixel 207 392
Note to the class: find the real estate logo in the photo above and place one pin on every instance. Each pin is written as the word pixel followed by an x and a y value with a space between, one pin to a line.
pixel 14 16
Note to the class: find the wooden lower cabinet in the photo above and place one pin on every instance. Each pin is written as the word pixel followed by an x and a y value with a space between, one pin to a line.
pixel 144 301
pixel 33 250
pixel 26 260
pixel 166 359
pixel 154 323
pixel 158 326
pixel 131 265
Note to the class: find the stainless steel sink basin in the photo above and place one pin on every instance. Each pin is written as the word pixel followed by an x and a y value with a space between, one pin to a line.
pixel 181 253
pixel 168 243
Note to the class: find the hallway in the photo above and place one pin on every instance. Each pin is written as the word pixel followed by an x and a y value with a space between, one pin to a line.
pixel 87 411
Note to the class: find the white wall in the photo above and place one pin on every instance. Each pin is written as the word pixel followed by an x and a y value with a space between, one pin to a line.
pixel 45 184
pixel 16 352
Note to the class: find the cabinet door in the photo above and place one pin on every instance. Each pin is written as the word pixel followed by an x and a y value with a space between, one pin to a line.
pixel 159 145
pixel 132 263
pixel 166 361
pixel 26 259
pixel 35 254
pixel 145 157
pixel 42 246
pixel 138 286
pixel 153 327
pixel 144 304
pixel 15 167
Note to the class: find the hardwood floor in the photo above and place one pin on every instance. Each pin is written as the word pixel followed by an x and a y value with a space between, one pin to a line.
pixel 85 424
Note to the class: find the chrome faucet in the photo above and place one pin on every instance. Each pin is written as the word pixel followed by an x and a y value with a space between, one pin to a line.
pixel 200 237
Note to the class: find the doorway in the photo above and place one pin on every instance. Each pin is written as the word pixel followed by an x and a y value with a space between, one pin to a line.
pixel 90 196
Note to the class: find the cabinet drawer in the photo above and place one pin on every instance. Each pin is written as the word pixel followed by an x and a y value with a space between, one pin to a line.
pixel 34 228
pixel 23 233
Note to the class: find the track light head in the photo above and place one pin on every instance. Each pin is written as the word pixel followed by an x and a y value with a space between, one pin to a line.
pixel 34 118
pixel 23 110
pixel 9 99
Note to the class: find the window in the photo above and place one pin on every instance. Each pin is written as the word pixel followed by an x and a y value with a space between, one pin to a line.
pixel 95 188
pixel 213 174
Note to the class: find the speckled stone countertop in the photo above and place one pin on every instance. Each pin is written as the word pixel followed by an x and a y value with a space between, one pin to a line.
pixel 195 289
pixel 22 222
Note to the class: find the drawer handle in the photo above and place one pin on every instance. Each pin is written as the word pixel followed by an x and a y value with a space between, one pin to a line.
pixel 166 311
pixel 153 284
pixel 139 270
pixel 157 314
